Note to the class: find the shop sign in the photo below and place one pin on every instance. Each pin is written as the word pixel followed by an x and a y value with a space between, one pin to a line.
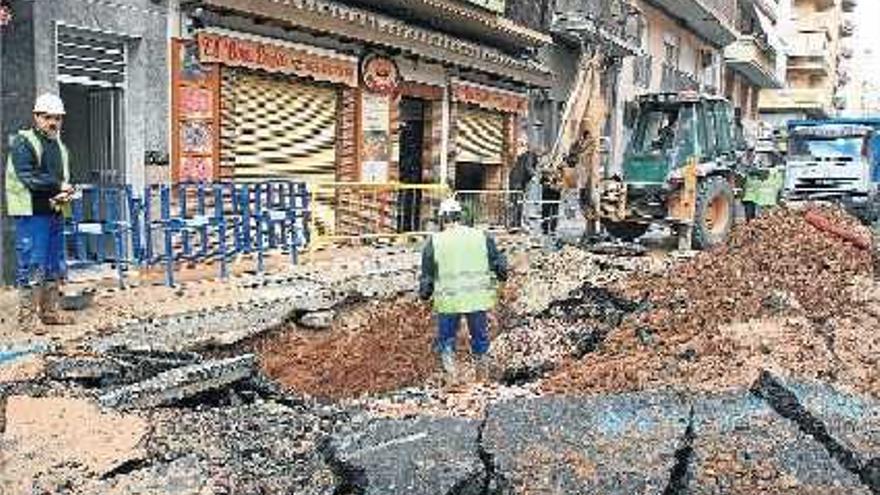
pixel 376 120
pixel 380 75
pixel 493 5
pixel 253 54
pixel 490 98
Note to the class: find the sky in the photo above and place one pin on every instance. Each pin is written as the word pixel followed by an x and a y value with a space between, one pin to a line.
pixel 867 18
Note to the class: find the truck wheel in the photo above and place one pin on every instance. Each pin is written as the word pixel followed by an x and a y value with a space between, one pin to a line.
pixel 714 215
pixel 626 231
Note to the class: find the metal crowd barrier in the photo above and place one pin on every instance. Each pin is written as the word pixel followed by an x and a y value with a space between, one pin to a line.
pixel 187 223
pixel 493 210
pixel 347 212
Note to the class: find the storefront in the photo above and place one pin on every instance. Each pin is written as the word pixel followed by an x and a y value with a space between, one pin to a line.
pixel 487 122
pixel 369 99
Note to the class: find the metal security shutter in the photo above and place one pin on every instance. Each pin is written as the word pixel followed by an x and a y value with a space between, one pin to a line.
pixel 480 136
pixel 90 58
pixel 283 129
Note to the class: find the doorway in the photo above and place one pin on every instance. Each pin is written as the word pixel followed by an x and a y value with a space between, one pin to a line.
pixel 412 146
pixel 93 131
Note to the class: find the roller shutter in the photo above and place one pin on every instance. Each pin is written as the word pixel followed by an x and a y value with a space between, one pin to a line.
pixel 90 58
pixel 480 136
pixel 281 129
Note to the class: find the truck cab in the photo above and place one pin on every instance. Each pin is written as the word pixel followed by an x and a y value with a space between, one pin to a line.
pixel 832 162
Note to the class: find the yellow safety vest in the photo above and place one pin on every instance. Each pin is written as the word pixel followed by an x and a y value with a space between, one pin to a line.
pixel 18 196
pixel 464 282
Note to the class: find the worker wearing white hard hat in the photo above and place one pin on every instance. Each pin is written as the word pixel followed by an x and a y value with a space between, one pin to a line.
pixel 38 193
pixel 460 268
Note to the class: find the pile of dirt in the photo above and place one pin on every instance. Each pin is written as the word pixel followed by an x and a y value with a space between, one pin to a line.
pixel 779 274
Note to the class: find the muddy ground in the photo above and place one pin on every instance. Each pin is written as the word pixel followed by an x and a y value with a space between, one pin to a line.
pixel 749 369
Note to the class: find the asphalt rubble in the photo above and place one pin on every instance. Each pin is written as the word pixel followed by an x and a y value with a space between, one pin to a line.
pixel 748 369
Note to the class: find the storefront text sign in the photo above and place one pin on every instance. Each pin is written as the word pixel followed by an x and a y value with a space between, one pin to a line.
pixel 490 98
pixel 253 54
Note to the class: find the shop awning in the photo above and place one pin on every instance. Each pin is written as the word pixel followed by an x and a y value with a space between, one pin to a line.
pixel 327 17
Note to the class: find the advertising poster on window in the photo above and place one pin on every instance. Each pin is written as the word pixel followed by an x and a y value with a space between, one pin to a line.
pixel 376 137
pixel 195 110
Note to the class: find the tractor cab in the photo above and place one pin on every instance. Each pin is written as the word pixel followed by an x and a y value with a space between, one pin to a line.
pixel 679 168
pixel 672 129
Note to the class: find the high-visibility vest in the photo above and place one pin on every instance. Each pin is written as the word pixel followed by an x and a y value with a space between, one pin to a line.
pixel 464 282
pixel 764 192
pixel 18 196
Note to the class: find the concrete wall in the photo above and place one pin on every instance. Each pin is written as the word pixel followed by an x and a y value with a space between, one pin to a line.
pixel 143 26
pixel 18 89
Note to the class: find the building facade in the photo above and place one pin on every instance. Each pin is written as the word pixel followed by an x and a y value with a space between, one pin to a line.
pixel 682 48
pixel 421 92
pixel 756 60
pixel 815 77
pixel 108 61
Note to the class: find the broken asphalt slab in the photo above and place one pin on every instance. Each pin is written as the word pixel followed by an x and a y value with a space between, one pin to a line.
pixel 50 438
pixel 264 447
pixel 420 456
pixel 181 383
pixel 844 424
pixel 743 446
pixel 621 444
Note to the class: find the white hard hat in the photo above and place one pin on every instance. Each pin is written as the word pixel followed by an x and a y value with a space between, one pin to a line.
pixel 450 206
pixel 49 103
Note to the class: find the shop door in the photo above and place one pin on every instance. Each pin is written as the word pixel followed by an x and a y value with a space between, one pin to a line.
pixel 412 138
pixel 92 73
pixel 93 132
pixel 480 144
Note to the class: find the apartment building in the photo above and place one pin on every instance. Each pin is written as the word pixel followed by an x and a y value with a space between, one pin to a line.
pixel 681 48
pixel 817 34
pixel 756 60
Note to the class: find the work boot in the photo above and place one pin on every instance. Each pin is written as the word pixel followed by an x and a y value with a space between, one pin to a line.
pixel 447 361
pixel 481 367
pixel 27 319
pixel 50 305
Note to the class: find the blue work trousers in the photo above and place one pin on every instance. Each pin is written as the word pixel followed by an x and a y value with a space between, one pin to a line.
pixel 39 249
pixel 447 331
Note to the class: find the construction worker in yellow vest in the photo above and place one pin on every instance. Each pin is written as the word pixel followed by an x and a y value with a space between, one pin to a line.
pixel 460 267
pixel 762 189
pixel 38 193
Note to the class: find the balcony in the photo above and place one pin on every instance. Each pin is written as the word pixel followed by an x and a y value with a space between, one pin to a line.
pixel 849 5
pixel 820 65
pixel 673 80
pixel 812 101
pixel 847 28
pixel 811 52
pixel 473 19
pixel 753 59
pixel 714 20
pixel 610 23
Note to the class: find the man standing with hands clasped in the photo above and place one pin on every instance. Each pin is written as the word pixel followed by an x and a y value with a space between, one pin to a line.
pixel 459 268
pixel 38 194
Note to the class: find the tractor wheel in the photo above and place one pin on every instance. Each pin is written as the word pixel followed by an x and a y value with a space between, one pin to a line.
pixel 626 231
pixel 714 213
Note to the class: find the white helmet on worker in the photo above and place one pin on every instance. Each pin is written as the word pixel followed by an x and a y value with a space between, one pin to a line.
pixel 450 207
pixel 50 104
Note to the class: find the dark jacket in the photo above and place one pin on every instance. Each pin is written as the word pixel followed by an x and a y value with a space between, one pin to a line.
pixel 43 179
pixel 497 263
pixel 523 171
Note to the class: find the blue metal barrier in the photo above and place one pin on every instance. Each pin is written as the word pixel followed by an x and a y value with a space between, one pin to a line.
pixel 191 221
pixel 101 217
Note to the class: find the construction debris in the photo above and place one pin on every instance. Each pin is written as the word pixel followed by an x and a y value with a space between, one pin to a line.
pixel 180 383
pixel 778 266
pixel 49 441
